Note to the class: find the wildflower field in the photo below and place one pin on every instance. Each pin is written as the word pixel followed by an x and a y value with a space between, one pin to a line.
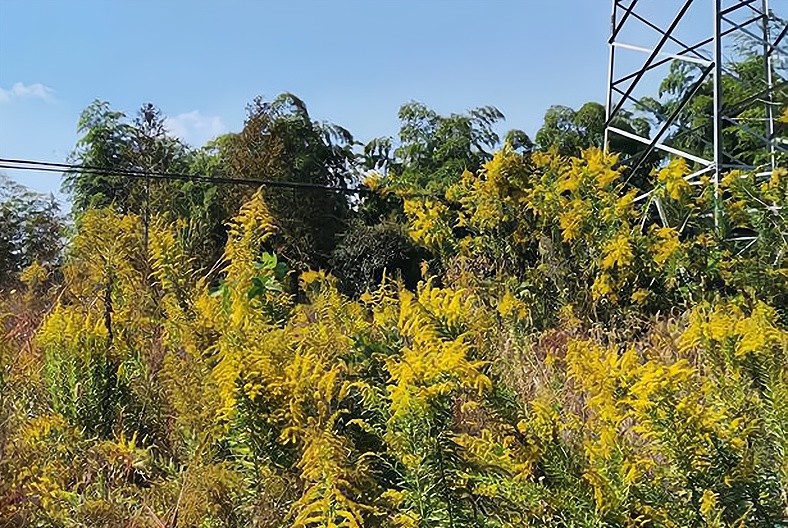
pixel 556 355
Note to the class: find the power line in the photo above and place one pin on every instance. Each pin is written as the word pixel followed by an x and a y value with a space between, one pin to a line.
pixel 45 166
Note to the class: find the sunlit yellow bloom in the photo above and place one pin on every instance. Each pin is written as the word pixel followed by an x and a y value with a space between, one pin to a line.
pixel 666 244
pixel 572 219
pixel 603 287
pixel 640 296
pixel 708 502
pixel 618 252
pixel 672 177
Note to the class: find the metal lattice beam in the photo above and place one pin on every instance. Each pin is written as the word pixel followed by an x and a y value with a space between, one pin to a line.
pixel 706 36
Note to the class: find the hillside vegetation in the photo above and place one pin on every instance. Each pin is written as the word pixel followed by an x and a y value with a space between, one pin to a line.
pixel 492 332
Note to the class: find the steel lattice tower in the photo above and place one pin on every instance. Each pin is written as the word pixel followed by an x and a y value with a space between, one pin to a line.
pixel 704 37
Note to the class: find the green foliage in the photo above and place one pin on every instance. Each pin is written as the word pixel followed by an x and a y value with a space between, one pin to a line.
pixel 510 341
pixel 110 141
pixel 741 81
pixel 367 253
pixel 31 230
pixel 434 149
pixel 270 278
pixel 281 142
pixel 571 132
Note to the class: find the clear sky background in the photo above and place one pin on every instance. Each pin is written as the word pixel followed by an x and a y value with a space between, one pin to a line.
pixel 353 62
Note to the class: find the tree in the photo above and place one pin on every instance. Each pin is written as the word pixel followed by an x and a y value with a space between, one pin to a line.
pixel 572 131
pixel 280 142
pixel 103 144
pixel 434 150
pixel 432 154
pixel 111 142
pixel 369 250
pixel 742 84
pixel 31 229
pixel 116 145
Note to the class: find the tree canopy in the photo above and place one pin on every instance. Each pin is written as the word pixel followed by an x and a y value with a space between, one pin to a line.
pixel 32 230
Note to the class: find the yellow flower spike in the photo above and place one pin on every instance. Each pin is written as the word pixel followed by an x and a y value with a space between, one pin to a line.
pixel 672 177
pixel 625 205
pixel 618 252
pixel 373 181
pixel 708 502
pixel 572 219
pixel 511 306
pixel 570 181
pixel 603 287
pixel 666 244
pixel 640 296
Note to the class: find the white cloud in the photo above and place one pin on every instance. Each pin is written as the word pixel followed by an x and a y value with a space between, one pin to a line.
pixel 195 128
pixel 26 91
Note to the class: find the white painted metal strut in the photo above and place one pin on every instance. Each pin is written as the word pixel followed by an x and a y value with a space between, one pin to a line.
pixel 704 51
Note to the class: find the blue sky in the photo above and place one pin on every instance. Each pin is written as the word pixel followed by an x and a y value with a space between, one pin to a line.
pixel 354 62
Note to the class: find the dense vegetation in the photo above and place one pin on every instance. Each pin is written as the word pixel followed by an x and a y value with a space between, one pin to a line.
pixel 493 335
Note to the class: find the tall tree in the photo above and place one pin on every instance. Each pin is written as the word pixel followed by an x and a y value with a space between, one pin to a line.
pixel 572 131
pixel 432 154
pixel 434 149
pixel 110 142
pixel 743 85
pixel 104 143
pixel 281 142
pixel 117 144
pixel 31 229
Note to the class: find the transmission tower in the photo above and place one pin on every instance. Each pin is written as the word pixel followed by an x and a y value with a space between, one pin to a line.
pixel 704 39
